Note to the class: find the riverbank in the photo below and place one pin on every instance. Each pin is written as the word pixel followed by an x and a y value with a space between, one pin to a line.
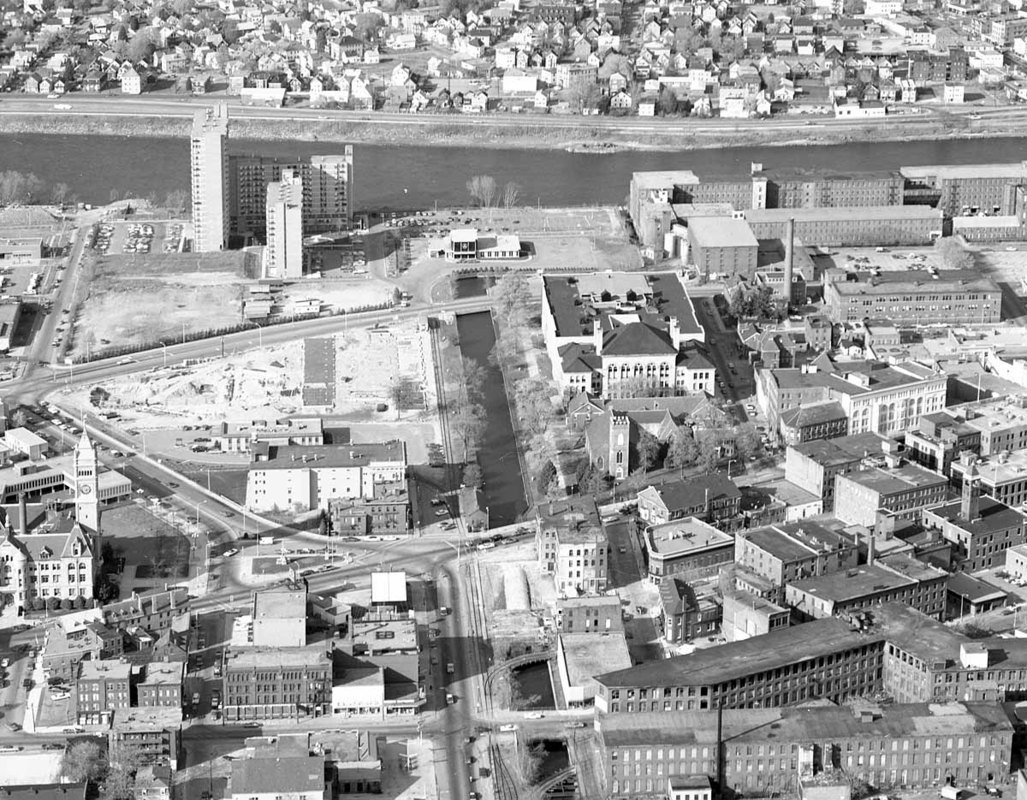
pixel 580 137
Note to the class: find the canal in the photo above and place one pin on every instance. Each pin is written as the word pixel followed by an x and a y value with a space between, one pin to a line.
pixel 532 688
pixel 497 451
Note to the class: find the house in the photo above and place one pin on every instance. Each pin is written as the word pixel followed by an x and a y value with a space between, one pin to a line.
pixel 131 81
pixel 708 497
pixel 621 102
pixel 94 81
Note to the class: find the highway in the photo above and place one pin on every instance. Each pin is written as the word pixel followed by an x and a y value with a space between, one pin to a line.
pixel 184 107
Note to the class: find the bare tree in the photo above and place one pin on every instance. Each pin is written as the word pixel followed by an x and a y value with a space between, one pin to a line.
pixel 482 188
pixel 510 193
pixel 60 193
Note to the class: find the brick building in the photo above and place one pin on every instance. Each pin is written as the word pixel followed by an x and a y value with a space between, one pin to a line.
pixel 276 683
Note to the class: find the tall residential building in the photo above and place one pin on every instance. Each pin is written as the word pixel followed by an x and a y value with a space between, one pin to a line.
pixel 208 152
pixel 327 191
pixel 283 257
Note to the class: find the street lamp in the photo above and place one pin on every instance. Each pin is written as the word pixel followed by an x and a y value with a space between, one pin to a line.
pixel 164 350
pixel 260 334
pixel 730 461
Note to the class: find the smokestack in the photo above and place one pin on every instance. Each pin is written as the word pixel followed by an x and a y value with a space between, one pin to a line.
pixel 23 515
pixel 720 750
pixel 870 549
pixel 789 259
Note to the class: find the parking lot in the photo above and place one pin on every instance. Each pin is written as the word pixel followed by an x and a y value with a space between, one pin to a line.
pixel 137 238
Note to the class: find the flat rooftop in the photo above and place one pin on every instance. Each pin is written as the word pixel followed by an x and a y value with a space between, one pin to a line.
pixel 801 724
pixel 1014 171
pixel 576 301
pixel 993 516
pixel 276 657
pixel 107 669
pixel 893 622
pixel 999 470
pixel 158 672
pixel 843 450
pixel 896 480
pixel 328 456
pixel 382 635
pixel 947 281
pixel 280 604
pixel 144 719
pixel 663 179
pixel 796 541
pixel 841 214
pixel 684 536
pixel 721 232
pixel 589 654
pixel 864 581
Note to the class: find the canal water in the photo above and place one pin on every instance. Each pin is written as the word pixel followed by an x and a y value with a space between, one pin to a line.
pixel 417 177
pixel 533 688
pixel 497 454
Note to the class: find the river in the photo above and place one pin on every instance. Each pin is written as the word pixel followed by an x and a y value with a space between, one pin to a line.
pixel 417 177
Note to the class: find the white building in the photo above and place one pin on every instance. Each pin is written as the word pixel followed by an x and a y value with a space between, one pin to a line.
pixel 283 256
pixel 308 477
pixel 209 179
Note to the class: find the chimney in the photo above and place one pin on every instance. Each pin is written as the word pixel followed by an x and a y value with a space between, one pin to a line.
pixel 870 549
pixel 789 260
pixel 720 750
pixel 23 515
pixel 597 336
pixel 970 507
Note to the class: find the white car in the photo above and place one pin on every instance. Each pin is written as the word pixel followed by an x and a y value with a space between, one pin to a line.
pixel 232 552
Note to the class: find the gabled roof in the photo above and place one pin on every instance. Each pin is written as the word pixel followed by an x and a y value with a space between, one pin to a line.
pixel 637 338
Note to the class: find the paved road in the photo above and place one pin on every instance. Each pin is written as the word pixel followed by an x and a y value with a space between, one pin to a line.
pixel 178 107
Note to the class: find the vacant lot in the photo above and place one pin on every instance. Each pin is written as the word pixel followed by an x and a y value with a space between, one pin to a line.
pixel 141 298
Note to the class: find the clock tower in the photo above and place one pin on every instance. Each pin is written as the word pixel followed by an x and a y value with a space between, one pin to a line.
pixel 87 477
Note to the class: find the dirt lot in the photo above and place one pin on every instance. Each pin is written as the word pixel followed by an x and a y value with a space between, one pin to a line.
pixel 139 298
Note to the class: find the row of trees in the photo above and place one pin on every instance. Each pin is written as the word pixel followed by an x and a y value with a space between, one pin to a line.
pixel 484 191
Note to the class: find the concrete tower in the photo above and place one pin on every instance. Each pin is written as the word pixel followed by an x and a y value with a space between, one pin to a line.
pixel 208 156
pixel 87 484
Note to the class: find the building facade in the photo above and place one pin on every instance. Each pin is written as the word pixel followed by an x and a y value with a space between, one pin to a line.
pixel 951 297
pixel 327 194
pixel 208 151
pixel 909 745
pixel 276 683
pixel 283 256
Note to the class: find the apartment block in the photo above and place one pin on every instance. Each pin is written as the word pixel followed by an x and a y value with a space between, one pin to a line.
pixel 589 614
pixel 153 735
pixel 208 151
pixel 572 545
pixel 283 256
pixel 327 195
pixel 162 685
pixel 100 688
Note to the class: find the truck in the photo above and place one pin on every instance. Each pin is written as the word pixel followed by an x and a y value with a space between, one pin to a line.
pixel 952 793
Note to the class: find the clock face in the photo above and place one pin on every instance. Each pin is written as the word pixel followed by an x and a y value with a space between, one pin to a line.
pixel 85 488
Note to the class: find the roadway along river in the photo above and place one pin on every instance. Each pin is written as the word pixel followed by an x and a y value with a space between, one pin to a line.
pixel 415 177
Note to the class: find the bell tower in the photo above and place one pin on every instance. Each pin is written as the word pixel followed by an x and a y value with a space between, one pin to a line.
pixel 87 477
